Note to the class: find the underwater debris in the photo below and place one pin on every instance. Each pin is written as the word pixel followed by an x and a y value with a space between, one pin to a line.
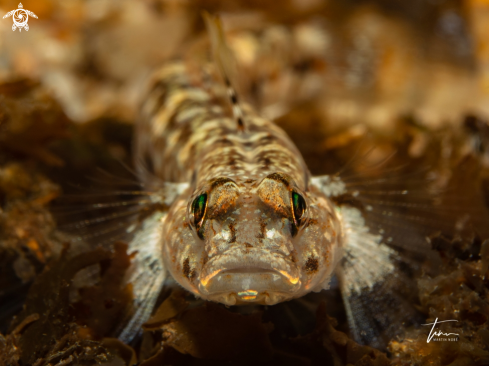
pixel 28 238
pixel 209 333
pixel 212 332
pixel 461 293
pixel 30 118
pixel 338 67
pixel 71 333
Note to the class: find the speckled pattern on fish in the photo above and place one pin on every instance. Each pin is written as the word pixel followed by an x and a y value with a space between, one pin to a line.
pixel 255 244
pixel 239 218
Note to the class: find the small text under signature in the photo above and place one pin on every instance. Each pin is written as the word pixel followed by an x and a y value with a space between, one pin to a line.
pixel 439 333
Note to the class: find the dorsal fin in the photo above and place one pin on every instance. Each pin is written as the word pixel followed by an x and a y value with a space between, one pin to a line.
pixel 226 63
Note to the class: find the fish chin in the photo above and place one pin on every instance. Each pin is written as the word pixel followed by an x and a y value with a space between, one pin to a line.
pixel 239 277
pixel 249 297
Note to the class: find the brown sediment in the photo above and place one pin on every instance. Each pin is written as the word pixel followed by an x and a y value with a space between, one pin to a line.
pixel 363 58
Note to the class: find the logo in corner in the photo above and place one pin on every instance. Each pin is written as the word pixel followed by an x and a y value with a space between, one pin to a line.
pixel 438 335
pixel 20 17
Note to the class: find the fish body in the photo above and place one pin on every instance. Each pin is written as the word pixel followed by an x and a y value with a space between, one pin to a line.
pixel 241 219
pixel 237 218
pixel 264 233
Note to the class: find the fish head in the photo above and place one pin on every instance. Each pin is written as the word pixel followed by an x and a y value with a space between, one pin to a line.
pixel 255 241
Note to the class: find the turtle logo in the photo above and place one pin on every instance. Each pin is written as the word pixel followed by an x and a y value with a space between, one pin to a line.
pixel 20 18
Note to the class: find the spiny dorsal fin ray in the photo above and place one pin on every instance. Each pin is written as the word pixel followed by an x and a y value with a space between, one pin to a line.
pixel 226 63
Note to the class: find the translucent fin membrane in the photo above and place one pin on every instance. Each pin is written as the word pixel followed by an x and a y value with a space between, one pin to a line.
pixel 226 64
pixel 390 216
pixel 147 276
pixel 123 210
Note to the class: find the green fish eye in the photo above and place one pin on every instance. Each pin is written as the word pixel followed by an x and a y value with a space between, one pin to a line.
pixel 298 206
pixel 198 209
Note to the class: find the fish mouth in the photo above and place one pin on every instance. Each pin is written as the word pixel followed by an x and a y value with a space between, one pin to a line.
pixel 243 276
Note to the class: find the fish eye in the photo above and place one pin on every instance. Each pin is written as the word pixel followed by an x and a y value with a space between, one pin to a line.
pixel 298 207
pixel 199 207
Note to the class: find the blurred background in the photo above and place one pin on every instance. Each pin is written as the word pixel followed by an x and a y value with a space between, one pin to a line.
pixel 340 76
pixel 368 60
pixel 338 66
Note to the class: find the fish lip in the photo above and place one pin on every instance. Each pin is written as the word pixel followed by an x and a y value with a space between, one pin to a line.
pixel 258 261
pixel 265 298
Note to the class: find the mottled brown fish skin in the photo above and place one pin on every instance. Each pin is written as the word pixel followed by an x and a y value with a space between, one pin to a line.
pixel 253 244
pixel 188 133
